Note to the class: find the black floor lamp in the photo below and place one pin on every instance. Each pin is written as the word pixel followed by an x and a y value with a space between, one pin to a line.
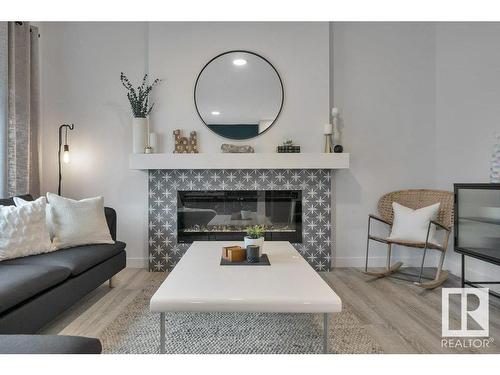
pixel 65 156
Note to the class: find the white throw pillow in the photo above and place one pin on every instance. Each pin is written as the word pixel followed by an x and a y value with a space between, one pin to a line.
pixel 411 225
pixel 19 202
pixel 23 230
pixel 78 222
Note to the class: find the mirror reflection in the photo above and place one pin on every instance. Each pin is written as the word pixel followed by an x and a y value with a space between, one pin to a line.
pixel 239 95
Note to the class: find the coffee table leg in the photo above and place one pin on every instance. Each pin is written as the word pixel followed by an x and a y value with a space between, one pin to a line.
pixel 162 333
pixel 325 333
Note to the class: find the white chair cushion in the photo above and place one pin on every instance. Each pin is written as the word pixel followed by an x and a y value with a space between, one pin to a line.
pixel 411 225
pixel 23 230
pixel 78 222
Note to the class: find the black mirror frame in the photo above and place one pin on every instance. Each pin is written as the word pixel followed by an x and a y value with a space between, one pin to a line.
pixel 252 53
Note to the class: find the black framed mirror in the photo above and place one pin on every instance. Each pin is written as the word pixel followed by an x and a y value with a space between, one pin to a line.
pixel 239 94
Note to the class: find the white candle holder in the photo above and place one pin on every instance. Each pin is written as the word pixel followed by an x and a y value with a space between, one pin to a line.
pixel 328 130
pixel 328 144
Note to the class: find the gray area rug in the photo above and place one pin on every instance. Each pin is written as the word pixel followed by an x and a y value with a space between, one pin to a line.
pixel 137 330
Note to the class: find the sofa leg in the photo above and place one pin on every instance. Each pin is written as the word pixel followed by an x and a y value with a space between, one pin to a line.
pixel 112 282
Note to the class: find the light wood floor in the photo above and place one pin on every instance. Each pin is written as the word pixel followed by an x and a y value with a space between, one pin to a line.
pixel 92 314
pixel 401 317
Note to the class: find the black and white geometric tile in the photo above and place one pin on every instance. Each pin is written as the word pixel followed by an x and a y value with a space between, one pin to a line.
pixel 316 246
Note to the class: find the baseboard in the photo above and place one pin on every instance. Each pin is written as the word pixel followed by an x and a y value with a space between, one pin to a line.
pixel 137 263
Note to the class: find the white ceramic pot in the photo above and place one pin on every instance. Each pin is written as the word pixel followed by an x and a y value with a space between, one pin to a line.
pixel 255 241
pixel 139 135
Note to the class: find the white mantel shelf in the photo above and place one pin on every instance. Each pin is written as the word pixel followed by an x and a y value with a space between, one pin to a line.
pixel 239 161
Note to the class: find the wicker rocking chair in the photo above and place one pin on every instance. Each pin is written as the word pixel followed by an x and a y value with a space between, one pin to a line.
pixel 415 199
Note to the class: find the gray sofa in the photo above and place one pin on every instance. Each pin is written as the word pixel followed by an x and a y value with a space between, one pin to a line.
pixel 48 344
pixel 36 289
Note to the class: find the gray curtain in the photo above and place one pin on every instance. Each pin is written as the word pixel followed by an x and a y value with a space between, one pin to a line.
pixel 20 138
pixel 3 108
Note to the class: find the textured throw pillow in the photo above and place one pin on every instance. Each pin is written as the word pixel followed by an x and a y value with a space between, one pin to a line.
pixel 23 230
pixel 19 202
pixel 411 225
pixel 78 222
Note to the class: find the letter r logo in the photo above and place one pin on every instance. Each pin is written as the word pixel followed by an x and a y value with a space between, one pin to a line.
pixel 480 314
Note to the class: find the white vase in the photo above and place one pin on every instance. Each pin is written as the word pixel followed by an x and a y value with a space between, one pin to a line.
pixel 255 241
pixel 139 135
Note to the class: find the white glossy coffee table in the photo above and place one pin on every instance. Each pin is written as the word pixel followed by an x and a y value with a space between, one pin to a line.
pixel 200 284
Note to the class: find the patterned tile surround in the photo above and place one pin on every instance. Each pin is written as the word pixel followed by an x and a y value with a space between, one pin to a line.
pixel 316 248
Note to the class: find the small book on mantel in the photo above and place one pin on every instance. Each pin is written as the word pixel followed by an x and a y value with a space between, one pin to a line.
pixel 234 253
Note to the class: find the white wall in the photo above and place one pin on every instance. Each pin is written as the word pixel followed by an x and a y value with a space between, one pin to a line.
pixel 418 104
pixel 299 51
pixel 468 112
pixel 383 84
pixel 81 65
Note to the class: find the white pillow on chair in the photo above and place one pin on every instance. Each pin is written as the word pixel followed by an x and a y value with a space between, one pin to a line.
pixel 411 225
pixel 78 222
pixel 23 230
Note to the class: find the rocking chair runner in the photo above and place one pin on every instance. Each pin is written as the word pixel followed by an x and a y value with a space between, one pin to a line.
pixel 415 199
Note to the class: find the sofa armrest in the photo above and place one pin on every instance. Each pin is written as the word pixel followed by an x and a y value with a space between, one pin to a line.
pixel 111 220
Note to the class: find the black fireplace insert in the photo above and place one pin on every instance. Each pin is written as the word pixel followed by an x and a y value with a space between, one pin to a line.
pixel 219 215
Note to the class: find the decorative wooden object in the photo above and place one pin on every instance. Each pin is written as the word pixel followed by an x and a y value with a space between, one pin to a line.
pixel 237 255
pixel 234 253
pixel 225 250
pixel 184 145
pixel 235 149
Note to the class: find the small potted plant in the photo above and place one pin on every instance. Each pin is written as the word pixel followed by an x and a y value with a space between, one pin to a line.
pixel 255 236
pixel 139 102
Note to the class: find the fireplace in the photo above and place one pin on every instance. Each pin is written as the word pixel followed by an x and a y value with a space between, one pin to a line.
pixel 220 215
pixel 302 194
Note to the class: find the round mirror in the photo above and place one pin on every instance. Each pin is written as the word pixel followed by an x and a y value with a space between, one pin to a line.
pixel 238 94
